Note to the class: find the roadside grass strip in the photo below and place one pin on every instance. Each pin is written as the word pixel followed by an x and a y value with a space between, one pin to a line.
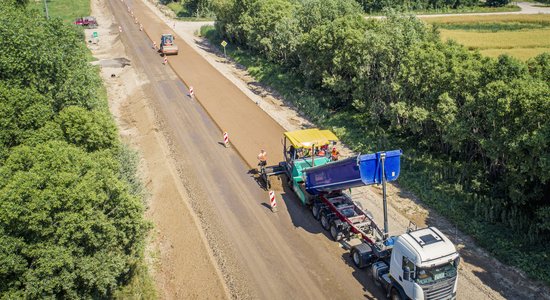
pixel 67 10
pixel 534 18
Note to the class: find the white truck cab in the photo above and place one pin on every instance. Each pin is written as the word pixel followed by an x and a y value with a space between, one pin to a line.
pixel 423 264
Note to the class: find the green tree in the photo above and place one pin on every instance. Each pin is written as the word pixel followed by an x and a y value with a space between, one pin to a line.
pixel 91 130
pixel 539 67
pixel 497 2
pixel 22 111
pixel 313 13
pixel 333 55
pixel 71 227
pixel 259 22
pixel 50 57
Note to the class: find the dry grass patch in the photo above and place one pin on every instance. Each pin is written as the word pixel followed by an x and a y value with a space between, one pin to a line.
pixel 537 18
pixel 522 36
pixel 539 38
pixel 520 53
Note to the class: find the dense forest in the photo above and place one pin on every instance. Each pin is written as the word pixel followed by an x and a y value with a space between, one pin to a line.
pixel 475 130
pixel 71 209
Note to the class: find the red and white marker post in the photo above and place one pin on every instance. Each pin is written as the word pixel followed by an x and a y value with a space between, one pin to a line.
pixel 272 201
pixel 154 45
pixel 165 61
pixel 225 139
pixel 191 92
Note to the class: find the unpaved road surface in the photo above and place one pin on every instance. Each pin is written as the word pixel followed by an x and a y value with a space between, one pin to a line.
pixel 249 252
pixel 181 263
pixel 260 254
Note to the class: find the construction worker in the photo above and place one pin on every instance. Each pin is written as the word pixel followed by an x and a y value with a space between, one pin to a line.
pixel 262 157
pixel 321 152
pixel 334 154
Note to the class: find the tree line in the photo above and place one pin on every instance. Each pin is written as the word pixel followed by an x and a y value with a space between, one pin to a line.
pixel 379 5
pixel 205 8
pixel 71 209
pixel 484 119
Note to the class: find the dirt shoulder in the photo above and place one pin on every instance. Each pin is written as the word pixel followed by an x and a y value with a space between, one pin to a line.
pixel 180 263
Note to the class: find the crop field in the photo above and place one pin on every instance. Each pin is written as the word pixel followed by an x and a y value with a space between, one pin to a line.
pixel 522 36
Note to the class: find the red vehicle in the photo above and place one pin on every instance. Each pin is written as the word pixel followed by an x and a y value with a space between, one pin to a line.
pixel 89 22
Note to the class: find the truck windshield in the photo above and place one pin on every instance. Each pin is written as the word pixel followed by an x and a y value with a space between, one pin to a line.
pixel 435 274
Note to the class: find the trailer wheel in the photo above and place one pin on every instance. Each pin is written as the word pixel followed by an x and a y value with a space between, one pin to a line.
pixel 324 221
pixel 335 232
pixel 315 209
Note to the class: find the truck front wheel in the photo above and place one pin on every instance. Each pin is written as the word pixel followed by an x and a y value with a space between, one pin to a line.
pixel 356 257
pixel 361 255
pixel 394 294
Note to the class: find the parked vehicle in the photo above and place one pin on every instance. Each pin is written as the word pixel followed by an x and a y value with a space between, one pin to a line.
pixel 89 22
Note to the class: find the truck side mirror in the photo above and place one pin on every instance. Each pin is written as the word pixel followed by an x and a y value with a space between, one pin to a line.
pixel 406 273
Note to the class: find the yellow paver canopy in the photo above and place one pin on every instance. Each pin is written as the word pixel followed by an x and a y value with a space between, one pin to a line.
pixel 308 137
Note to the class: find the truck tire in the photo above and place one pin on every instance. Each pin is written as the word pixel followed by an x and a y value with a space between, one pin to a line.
pixel 395 295
pixel 316 211
pixel 360 255
pixel 325 222
pixel 335 232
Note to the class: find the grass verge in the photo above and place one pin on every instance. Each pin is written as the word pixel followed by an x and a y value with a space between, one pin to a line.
pixel 429 178
pixel 140 286
pixel 182 13
pixel 67 10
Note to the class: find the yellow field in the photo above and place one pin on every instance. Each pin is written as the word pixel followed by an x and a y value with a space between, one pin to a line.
pixel 522 44
pixel 538 18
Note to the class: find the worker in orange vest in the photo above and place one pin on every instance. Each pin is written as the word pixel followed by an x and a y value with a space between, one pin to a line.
pixel 321 152
pixel 262 157
pixel 334 154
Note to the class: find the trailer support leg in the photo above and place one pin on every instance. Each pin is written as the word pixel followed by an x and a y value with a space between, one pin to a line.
pixel 384 201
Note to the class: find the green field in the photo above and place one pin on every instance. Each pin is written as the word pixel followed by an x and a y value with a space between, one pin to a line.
pixel 522 36
pixel 67 10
